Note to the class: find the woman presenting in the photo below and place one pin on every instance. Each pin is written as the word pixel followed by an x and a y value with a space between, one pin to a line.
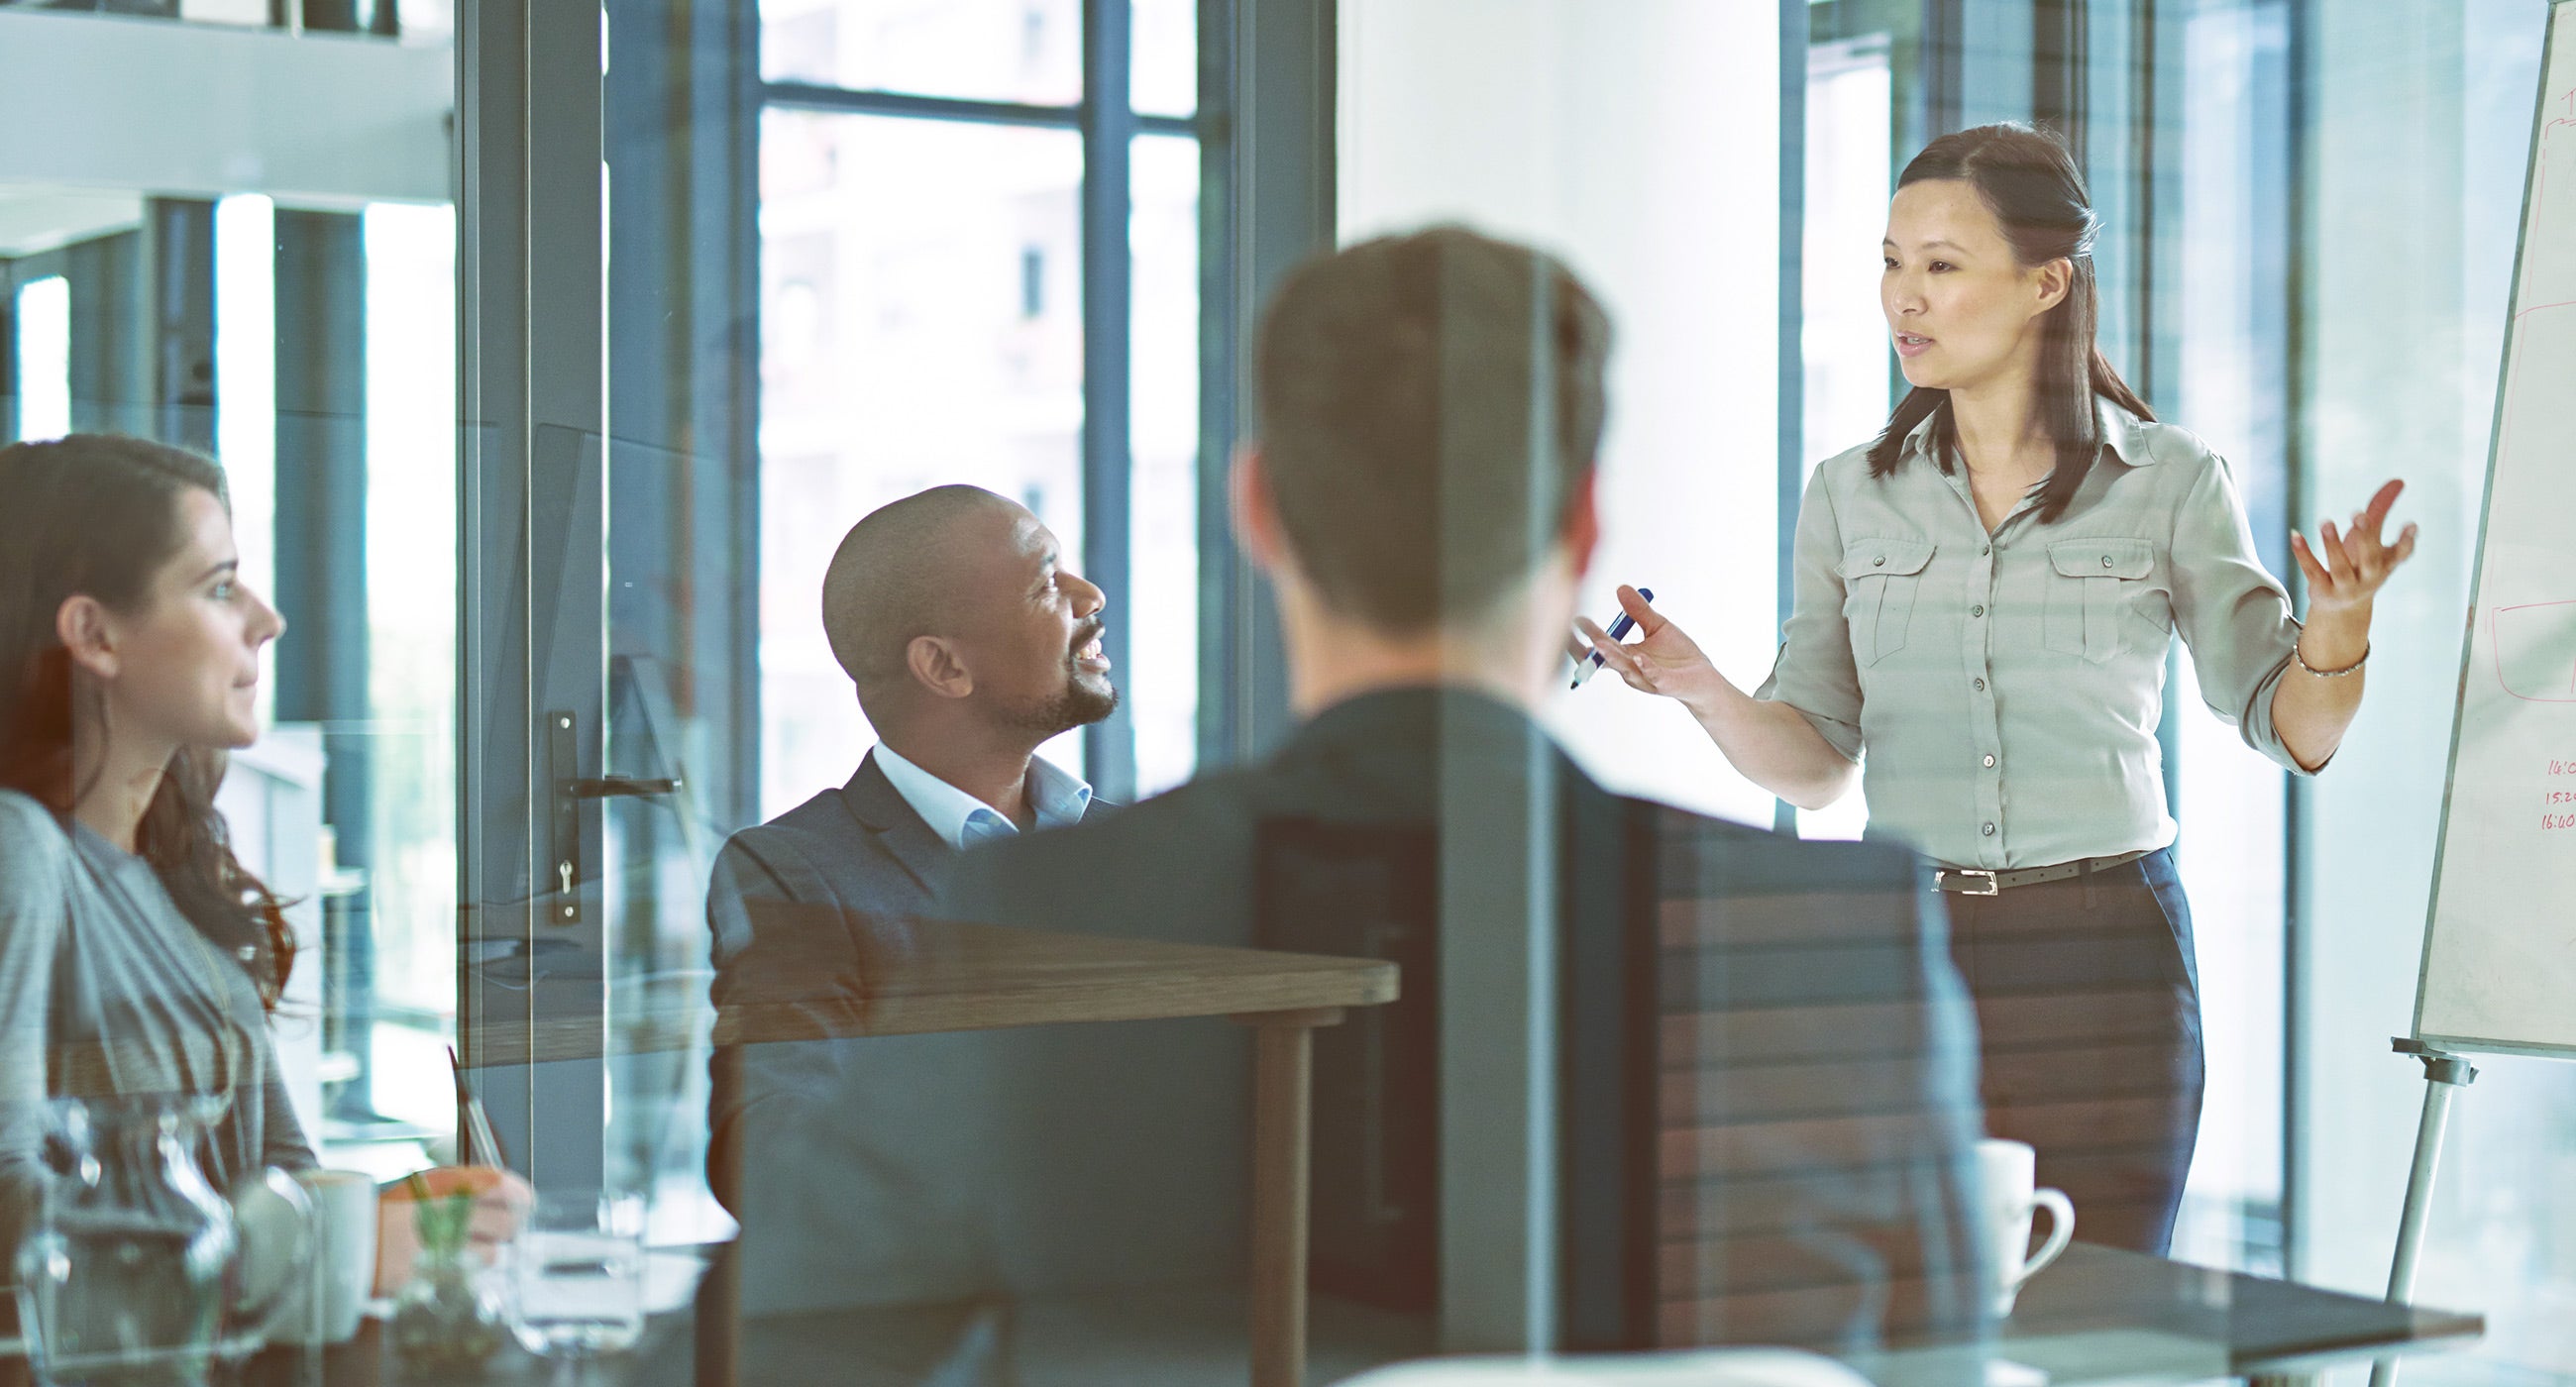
pixel 1984 599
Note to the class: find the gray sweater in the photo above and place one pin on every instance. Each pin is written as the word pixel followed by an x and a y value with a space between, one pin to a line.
pixel 106 988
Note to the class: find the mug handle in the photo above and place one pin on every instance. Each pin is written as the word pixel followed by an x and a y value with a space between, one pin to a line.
pixel 2061 1231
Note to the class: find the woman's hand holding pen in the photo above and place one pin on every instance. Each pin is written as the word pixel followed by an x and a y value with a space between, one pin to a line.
pixel 1662 660
pixel 1771 744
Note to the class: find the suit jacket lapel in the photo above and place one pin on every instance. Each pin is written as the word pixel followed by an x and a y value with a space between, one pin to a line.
pixel 880 809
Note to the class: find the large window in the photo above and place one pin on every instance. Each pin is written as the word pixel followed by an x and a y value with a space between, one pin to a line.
pixel 928 305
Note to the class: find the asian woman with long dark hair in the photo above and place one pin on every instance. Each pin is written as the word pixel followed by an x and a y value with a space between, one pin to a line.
pixel 1984 598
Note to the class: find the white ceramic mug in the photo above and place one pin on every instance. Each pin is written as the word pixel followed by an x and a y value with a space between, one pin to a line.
pixel 2006 1172
pixel 344 1261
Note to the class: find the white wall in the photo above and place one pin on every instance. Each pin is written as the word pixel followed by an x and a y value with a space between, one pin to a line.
pixel 1638 139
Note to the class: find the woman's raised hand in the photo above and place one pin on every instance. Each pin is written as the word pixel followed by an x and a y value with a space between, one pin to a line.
pixel 2345 571
pixel 1663 659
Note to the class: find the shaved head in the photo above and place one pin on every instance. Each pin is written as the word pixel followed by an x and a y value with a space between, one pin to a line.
pixel 896 575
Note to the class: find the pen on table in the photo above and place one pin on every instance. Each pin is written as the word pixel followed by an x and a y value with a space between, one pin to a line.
pixel 1619 626
pixel 475 1140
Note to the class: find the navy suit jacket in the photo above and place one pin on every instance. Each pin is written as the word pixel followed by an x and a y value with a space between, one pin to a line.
pixel 864 1170
pixel 1769 1081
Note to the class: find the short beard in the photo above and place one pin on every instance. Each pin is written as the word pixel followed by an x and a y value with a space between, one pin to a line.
pixel 1075 705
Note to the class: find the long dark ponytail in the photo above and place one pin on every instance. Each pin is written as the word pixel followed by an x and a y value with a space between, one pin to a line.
pixel 99 514
pixel 2030 182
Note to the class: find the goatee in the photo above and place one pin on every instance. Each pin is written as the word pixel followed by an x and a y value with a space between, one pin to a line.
pixel 1077 704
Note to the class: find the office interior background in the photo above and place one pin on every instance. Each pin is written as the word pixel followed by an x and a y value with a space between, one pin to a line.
pixel 846 249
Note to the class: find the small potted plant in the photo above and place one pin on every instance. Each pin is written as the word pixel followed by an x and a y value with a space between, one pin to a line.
pixel 447 1319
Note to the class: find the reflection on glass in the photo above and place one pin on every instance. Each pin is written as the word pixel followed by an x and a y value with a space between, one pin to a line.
pixel 1027 51
pixel 1164 77
pixel 1162 605
pixel 922 319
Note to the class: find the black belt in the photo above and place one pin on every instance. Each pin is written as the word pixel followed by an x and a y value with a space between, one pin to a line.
pixel 1969 881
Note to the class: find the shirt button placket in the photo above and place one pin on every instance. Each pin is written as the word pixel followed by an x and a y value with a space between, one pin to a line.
pixel 1986 729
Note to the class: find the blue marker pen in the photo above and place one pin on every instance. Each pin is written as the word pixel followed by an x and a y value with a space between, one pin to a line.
pixel 1619 627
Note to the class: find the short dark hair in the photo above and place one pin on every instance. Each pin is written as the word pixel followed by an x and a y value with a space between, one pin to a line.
pixel 893 578
pixel 1429 405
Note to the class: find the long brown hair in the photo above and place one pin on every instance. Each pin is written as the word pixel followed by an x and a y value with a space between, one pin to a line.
pixel 2030 182
pixel 98 514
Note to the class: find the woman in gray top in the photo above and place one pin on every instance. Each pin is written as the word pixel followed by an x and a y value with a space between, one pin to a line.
pixel 136 955
pixel 1983 602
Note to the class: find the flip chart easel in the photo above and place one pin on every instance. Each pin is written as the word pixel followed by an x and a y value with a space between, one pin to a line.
pixel 2499 969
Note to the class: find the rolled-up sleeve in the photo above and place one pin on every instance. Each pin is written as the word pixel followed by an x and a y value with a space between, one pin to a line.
pixel 2232 613
pixel 1815 673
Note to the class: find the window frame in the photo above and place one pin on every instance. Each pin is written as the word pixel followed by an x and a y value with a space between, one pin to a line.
pixel 1108 129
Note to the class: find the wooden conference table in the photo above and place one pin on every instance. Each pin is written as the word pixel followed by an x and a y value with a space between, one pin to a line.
pixel 2099 1316
pixel 968 977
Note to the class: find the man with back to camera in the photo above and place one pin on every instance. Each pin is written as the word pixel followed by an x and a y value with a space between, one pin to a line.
pixel 859 1167
pixel 1425 541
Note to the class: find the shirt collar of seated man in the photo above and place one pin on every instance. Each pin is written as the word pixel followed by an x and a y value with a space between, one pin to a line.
pixel 970 645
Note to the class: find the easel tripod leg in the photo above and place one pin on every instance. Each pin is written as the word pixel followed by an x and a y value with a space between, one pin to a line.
pixel 2444 1076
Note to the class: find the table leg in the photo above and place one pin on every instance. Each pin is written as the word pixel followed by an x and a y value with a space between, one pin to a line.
pixel 1282 1145
pixel 719 1319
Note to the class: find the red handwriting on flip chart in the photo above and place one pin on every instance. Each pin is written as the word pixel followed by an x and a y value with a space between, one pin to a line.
pixel 2558 812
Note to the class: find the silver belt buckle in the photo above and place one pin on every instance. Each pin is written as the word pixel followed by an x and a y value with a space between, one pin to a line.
pixel 1992 889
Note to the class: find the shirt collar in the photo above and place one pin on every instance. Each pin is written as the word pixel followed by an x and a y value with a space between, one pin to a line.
pixel 2119 428
pixel 960 820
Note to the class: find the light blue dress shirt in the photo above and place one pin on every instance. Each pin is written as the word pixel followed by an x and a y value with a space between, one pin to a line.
pixel 1056 796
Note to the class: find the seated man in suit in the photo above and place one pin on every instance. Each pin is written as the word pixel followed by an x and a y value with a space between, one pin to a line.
pixel 1422 499
pixel 856 1166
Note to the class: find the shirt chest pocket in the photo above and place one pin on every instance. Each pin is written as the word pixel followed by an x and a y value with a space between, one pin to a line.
pixel 1880 580
pixel 2097 592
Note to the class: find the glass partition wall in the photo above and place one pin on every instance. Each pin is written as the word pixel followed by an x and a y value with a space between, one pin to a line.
pixel 546 394
pixel 292 313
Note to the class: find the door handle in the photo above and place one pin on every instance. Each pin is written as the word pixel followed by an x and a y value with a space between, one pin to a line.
pixel 562 750
pixel 617 786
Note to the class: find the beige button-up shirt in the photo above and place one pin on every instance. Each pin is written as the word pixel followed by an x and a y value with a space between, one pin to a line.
pixel 2007 687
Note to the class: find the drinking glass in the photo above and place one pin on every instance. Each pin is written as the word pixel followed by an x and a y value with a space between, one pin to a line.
pixel 577 1277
